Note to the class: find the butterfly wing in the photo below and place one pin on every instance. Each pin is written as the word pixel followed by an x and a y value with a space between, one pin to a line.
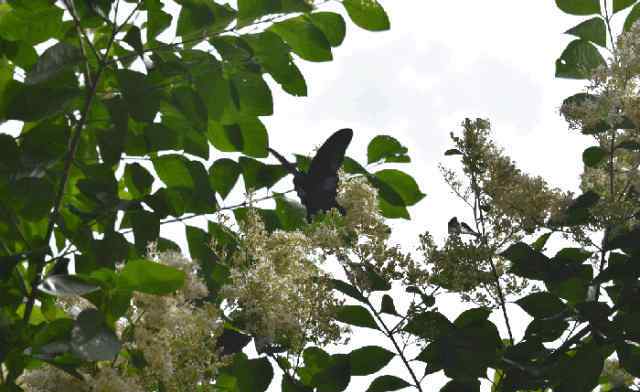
pixel 329 157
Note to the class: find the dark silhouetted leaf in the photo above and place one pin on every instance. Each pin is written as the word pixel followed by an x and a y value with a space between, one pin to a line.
pixel 355 315
pixel 369 360
pixel 593 156
pixel 387 383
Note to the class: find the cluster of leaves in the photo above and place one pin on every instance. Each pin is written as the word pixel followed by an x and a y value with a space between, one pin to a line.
pixel 113 127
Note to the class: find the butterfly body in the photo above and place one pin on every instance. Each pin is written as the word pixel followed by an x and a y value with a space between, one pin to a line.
pixel 318 187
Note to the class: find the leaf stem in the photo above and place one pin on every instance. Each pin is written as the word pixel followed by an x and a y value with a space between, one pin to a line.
pixel 400 352
pixel 92 86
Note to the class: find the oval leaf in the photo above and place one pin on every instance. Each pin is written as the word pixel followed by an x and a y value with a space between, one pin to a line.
pixel 593 30
pixel 387 383
pixel 579 7
pixel 149 277
pixel 356 315
pixel 578 60
pixel 304 38
pixel 387 148
pixel 367 14
pixel 593 156
pixel 541 305
pixel 369 360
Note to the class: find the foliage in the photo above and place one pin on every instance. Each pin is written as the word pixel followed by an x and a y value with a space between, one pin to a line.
pixel 122 131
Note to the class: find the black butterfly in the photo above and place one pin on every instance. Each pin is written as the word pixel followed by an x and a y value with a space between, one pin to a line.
pixel 318 187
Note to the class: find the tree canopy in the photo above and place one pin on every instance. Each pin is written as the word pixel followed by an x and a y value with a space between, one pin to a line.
pixel 129 117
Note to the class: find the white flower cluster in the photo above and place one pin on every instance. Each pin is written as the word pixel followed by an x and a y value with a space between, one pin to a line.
pixel 176 337
pixel 276 289
pixel 51 379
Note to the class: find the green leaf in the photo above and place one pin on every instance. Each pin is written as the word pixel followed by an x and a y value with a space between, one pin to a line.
pixel 138 180
pixel 401 183
pixel 232 341
pixel 157 19
pixel 253 375
pixel 632 17
pixel 197 16
pixel 578 60
pixel 223 175
pixel 546 330
pixel 335 376
pixel 453 151
pixel 291 385
pixel 387 305
pixel 572 255
pixel 160 137
pixel 593 30
pixel 346 288
pixel 527 262
pixel 369 360
pixel 33 198
pixel 150 277
pixel 32 26
pixel 146 228
pixel 332 26
pixel 56 59
pixel 629 356
pixel 629 145
pixel 541 305
pixel 593 156
pixel 275 58
pixel 579 372
pixel 188 102
pixel 30 103
pixel 619 5
pixel 66 285
pixel 391 211
pixel 173 170
pixel 91 339
pixel 304 38
pixel 257 175
pixel 579 7
pixel 248 135
pixel 539 243
pixel 253 96
pixel 462 386
pixel 142 97
pixel 471 317
pixel 367 14
pixel 250 10
pixel 429 325
pixel 134 39
pixel 355 315
pixel 578 211
pixel 291 214
pixel 387 383
pixel 387 148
